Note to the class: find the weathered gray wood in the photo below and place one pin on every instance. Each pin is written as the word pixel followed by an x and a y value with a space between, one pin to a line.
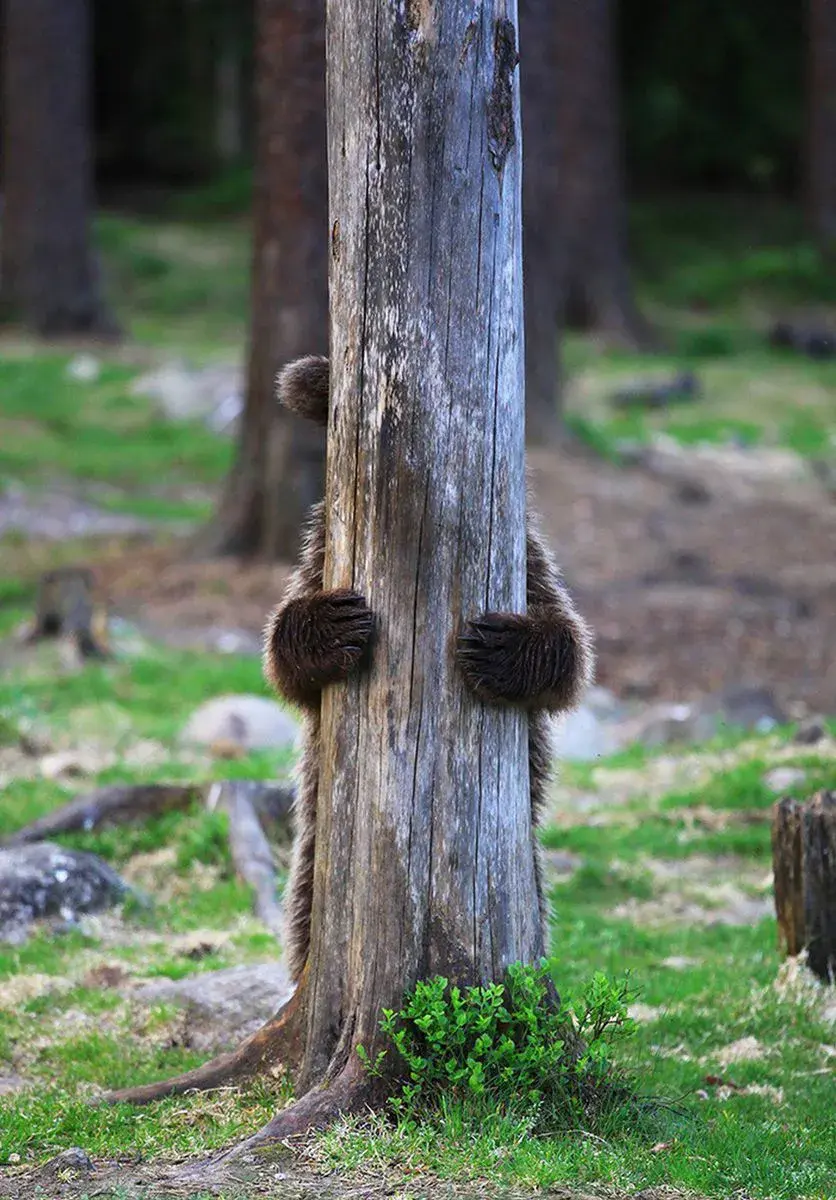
pixel 250 850
pixel 804 863
pixel 424 858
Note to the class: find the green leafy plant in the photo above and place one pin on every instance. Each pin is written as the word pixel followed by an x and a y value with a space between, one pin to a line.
pixel 509 1047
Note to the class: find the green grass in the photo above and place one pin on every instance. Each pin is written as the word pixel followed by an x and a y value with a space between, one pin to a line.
pixel 178 284
pixel 71 1039
pixel 713 274
pixel 54 429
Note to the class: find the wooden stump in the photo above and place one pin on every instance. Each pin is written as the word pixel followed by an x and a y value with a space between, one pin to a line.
pixel 66 609
pixel 804 863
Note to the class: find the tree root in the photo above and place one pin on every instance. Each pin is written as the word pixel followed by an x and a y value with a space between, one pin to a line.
pixel 279 1041
pixel 351 1090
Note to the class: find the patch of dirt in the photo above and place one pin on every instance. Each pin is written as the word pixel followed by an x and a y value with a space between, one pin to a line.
pixel 57 515
pixel 747 1049
pixel 673 909
pixel 690 598
pixel 20 989
pixel 274 1173
pixel 616 788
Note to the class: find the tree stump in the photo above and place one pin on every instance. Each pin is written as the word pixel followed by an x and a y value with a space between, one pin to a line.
pixel 804 863
pixel 66 608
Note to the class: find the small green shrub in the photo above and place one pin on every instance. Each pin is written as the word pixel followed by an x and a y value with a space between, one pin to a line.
pixel 509 1048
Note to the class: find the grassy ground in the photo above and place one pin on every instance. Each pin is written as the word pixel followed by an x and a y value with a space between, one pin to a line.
pixel 668 877
pixel 668 856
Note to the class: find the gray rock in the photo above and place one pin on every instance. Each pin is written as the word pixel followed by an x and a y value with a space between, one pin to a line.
pixel 747 707
pixel 67 1164
pixel 251 722
pixel 750 708
pixel 582 736
pixel 212 394
pixel 45 880
pixel 782 779
pixel 590 731
pixel 222 1007
pixel 663 724
pixel 84 368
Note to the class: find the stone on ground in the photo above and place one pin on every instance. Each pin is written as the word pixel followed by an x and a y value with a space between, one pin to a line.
pixel 46 880
pixel 249 722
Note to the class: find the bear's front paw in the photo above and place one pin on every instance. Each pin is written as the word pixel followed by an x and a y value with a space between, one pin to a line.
pixel 334 633
pixel 317 640
pixel 512 659
pixel 494 655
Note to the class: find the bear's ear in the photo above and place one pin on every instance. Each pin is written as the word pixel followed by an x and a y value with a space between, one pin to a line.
pixel 302 386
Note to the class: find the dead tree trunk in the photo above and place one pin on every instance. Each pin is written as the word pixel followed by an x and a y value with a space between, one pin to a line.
pixel 279 470
pixel 591 203
pixel 804 864
pixel 48 272
pixel 424 793
pixel 820 173
pixel 424 854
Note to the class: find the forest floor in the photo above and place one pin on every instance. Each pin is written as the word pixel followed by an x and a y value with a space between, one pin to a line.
pixel 708 564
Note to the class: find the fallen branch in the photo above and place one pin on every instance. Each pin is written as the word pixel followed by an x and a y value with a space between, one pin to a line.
pixel 138 802
pixel 107 806
pixel 251 853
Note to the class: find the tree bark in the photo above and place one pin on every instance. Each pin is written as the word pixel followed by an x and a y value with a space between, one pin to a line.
pixel 820 173
pixel 596 293
pixel 48 272
pixel 804 863
pixel 279 469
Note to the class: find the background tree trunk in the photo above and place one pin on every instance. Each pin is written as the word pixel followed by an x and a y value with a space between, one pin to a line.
pixel 541 228
pixel 279 468
pixel 590 201
pixel 821 131
pixel 48 271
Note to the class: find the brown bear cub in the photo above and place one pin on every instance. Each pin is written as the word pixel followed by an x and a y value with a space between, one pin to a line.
pixel 541 660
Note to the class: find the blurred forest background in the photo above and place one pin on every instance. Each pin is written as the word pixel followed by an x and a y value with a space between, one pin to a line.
pixel 165 194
